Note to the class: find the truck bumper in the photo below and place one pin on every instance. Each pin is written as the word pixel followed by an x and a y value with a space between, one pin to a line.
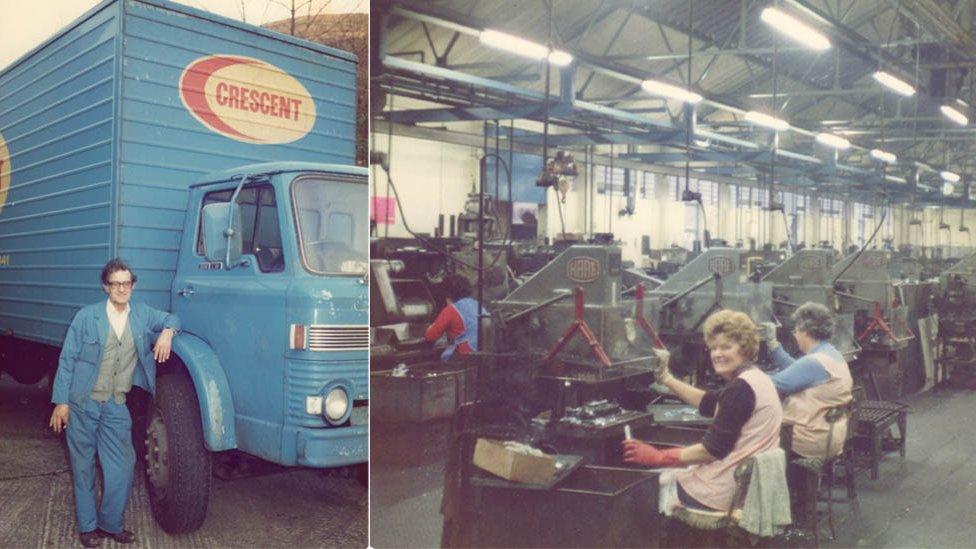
pixel 331 447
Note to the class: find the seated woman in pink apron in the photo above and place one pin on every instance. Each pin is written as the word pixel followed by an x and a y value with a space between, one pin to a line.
pixel 747 417
pixel 814 383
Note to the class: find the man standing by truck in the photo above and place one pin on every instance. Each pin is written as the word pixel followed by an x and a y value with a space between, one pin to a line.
pixel 105 353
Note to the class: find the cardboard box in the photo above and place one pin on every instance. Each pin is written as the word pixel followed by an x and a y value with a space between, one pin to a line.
pixel 494 457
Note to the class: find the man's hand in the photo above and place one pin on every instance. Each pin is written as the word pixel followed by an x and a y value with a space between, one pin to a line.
pixel 59 419
pixel 164 344
pixel 642 453
pixel 661 371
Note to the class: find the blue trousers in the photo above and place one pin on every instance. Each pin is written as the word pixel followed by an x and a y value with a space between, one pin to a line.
pixel 103 429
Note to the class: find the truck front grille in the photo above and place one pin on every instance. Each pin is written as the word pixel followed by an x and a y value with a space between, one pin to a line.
pixel 338 338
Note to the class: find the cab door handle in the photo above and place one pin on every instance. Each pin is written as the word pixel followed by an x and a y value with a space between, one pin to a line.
pixel 186 292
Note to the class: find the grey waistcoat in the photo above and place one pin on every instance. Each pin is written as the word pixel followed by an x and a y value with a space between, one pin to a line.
pixel 118 366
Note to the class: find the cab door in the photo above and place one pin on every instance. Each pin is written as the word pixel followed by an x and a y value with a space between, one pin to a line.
pixel 241 312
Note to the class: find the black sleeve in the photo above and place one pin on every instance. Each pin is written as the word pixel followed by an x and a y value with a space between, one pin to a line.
pixel 707 405
pixel 735 406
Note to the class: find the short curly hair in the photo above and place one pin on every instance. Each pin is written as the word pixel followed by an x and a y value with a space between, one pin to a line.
pixel 113 266
pixel 815 320
pixel 735 325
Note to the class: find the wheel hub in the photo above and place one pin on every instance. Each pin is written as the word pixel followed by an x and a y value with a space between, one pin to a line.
pixel 157 454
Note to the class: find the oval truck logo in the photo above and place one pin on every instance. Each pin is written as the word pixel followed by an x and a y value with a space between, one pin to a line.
pixel 4 172
pixel 247 99
pixel 583 269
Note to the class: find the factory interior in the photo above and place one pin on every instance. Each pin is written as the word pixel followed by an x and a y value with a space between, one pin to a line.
pixel 593 180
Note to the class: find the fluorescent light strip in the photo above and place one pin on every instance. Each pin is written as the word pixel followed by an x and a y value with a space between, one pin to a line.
pixel 560 58
pixel 954 115
pixel 794 29
pixel 894 84
pixel 525 48
pixel 833 141
pixel 662 89
pixel 771 122
pixel 883 156
pixel 949 176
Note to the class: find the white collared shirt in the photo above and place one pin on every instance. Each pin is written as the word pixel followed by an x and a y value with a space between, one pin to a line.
pixel 116 319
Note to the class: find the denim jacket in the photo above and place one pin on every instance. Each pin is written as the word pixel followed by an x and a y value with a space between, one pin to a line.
pixel 81 355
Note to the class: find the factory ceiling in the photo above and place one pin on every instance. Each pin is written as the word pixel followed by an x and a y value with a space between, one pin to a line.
pixel 435 51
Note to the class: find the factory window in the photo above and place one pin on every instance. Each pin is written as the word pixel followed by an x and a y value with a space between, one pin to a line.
pixel 602 175
pixel 742 196
pixel 646 184
pixel 831 207
pixel 708 189
pixel 692 215
pixel 867 217
pixel 796 206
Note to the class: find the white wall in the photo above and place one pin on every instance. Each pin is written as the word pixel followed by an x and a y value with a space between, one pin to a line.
pixel 431 177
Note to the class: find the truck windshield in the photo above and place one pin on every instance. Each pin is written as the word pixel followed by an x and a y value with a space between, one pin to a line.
pixel 333 228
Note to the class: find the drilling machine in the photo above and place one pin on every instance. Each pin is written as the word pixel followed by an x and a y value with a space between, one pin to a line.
pixel 863 286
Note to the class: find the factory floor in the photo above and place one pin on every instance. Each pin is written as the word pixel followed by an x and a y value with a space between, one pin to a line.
pixel 265 506
pixel 923 500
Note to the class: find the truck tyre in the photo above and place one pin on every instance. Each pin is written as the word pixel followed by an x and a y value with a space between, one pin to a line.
pixel 178 465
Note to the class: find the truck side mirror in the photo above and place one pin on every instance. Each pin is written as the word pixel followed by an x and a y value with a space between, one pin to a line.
pixel 222 244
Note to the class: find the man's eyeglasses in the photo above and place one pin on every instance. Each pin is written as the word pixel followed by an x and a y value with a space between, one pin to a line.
pixel 126 285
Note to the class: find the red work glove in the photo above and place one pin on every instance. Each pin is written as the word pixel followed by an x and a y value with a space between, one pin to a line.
pixel 641 453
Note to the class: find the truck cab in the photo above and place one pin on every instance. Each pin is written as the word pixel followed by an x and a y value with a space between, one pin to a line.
pixel 272 359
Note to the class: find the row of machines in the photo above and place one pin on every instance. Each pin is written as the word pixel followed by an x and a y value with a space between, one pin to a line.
pixel 956 303
pixel 567 353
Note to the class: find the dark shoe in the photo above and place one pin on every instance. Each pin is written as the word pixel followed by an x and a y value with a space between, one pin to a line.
pixel 90 539
pixel 124 536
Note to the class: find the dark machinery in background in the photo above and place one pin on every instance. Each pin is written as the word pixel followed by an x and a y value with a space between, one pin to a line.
pixel 956 304
pixel 804 277
pixel 678 307
pixel 668 261
pixel 863 286
pixel 756 263
pixel 401 308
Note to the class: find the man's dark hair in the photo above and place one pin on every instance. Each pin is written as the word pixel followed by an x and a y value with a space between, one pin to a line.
pixel 114 266
pixel 457 287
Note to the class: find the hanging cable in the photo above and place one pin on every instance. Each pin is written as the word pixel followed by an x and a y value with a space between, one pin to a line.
pixel 545 121
pixel 389 182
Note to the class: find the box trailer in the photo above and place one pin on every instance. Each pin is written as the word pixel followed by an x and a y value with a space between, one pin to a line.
pixel 217 159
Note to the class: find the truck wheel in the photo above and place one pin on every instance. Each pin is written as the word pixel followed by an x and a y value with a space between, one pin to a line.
pixel 178 465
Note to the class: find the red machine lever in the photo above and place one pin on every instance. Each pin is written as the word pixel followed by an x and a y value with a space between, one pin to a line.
pixel 878 323
pixel 579 324
pixel 641 321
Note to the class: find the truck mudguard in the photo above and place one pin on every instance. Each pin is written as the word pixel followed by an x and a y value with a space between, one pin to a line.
pixel 213 392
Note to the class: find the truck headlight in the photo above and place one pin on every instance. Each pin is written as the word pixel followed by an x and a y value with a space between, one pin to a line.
pixel 336 405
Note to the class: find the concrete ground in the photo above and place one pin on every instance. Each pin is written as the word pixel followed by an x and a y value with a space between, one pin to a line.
pixel 280 508
pixel 925 500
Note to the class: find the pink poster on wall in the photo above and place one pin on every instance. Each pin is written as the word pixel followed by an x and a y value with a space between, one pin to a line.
pixel 383 210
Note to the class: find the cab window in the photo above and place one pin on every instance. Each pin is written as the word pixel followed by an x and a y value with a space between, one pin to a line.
pixel 261 233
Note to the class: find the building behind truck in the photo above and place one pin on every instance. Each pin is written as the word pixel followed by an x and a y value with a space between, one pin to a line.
pixel 217 159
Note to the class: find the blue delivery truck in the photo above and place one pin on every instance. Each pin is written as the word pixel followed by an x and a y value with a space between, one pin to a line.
pixel 217 159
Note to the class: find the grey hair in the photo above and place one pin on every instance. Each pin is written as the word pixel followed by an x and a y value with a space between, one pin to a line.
pixel 815 319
